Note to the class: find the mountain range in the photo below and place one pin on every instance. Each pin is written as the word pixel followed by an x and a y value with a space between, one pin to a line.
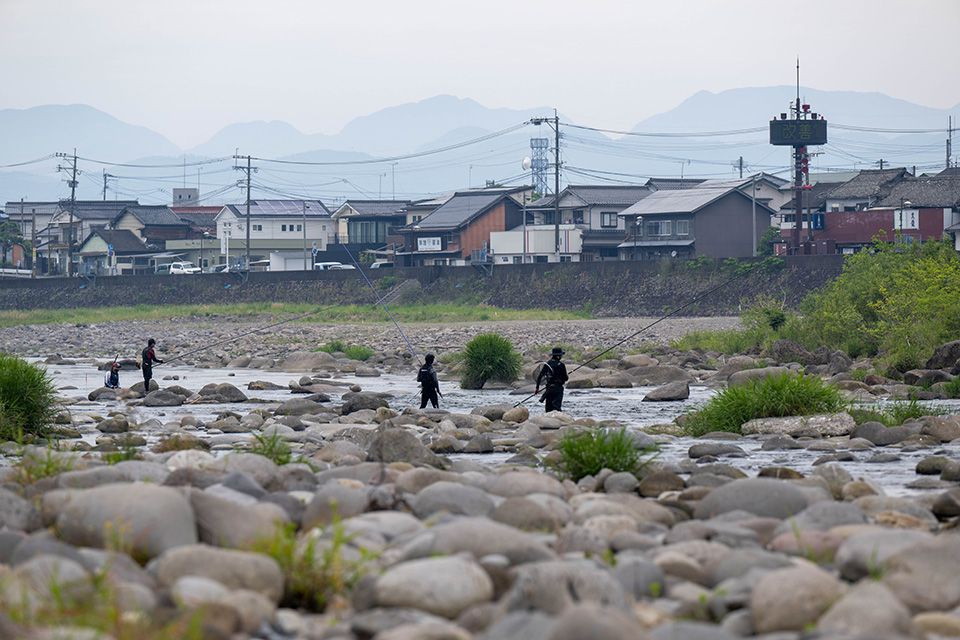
pixel 391 153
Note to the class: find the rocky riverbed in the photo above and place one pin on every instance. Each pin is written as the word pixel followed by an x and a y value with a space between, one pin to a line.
pixel 711 541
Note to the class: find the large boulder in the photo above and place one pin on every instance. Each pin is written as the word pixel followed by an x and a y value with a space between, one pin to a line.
pixel 357 401
pixel 233 569
pixel 553 587
pixel 309 361
pixel 659 374
pixel 764 497
pixel 924 576
pixel 791 599
pixel 826 424
pixel 786 351
pixel 442 586
pixel 400 445
pixel 162 398
pixel 748 375
pixel 669 392
pixel 944 356
pixel 144 518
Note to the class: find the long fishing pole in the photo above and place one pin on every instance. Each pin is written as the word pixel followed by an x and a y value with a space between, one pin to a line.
pixel 380 300
pixel 243 335
pixel 657 321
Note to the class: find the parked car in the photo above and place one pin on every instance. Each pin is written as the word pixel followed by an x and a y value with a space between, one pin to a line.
pixel 223 268
pixel 341 267
pixel 162 269
pixel 326 266
pixel 381 264
pixel 184 267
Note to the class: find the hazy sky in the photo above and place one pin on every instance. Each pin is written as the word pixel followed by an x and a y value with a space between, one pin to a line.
pixel 188 68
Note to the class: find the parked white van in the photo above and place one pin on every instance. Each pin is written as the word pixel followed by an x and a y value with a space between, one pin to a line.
pixel 184 267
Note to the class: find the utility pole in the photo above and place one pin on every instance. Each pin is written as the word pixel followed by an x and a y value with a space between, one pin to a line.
pixel 249 171
pixel 556 181
pixel 73 200
pixel 949 139
pixel 881 164
pixel 740 164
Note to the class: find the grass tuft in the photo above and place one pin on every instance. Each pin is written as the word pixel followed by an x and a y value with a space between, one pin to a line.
pixel 271 446
pixel 586 453
pixel 788 394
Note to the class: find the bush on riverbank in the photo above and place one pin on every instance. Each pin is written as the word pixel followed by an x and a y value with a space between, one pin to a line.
pixel 28 400
pixel 489 356
pixel 898 303
pixel 788 394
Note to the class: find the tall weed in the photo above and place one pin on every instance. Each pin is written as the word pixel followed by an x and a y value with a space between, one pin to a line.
pixel 28 400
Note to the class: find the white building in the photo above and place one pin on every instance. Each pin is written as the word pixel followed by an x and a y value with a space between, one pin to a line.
pixel 275 226
pixel 536 244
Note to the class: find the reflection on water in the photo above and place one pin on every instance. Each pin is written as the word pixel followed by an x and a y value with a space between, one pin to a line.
pixel 622 405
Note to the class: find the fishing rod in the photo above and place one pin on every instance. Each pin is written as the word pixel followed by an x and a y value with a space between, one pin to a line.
pixel 380 300
pixel 657 321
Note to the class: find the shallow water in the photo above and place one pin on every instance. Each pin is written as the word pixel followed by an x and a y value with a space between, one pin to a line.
pixel 622 405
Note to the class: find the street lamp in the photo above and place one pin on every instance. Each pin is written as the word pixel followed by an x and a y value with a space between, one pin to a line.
pixel 637 230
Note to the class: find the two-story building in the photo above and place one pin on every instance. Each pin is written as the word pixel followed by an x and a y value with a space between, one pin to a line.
pixel 593 210
pixel 72 222
pixel 291 228
pixel 713 219
pixel 459 230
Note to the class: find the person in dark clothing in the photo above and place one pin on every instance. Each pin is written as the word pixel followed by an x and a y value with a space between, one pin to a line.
pixel 429 385
pixel 554 373
pixel 112 381
pixel 149 357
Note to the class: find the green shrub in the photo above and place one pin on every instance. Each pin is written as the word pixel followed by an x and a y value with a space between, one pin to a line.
pixel 896 412
pixel 788 394
pixel 489 356
pixel 586 453
pixel 952 388
pixel 28 400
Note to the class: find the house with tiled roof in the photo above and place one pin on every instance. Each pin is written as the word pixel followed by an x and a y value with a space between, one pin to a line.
pixel 153 224
pixel 458 231
pixel 367 224
pixel 590 209
pixel 72 222
pixel 129 254
pixel 714 219
pixel 865 190
pixel 905 211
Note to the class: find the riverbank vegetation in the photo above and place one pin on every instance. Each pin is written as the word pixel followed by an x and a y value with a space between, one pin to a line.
pixel 358 314
pixel 28 400
pixel 788 394
pixel 897 303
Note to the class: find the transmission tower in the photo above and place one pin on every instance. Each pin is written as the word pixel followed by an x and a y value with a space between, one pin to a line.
pixel 539 163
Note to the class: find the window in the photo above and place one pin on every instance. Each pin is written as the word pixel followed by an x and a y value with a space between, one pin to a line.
pixel 256 227
pixel 683 227
pixel 578 216
pixel 517 259
pixel 283 227
pixel 299 227
pixel 608 220
pixel 658 229
pixel 566 258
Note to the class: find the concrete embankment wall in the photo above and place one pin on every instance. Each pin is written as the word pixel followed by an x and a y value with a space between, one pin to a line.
pixel 603 288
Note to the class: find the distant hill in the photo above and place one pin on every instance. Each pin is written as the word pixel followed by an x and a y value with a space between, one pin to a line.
pixel 30 133
pixel 345 165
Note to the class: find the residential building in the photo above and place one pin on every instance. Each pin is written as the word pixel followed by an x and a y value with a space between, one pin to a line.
pixel 275 225
pixel 714 219
pixel 200 246
pixel 72 223
pixel 370 225
pixel 912 210
pixel 459 230
pixel 865 190
pixel 130 255
pixel 591 209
